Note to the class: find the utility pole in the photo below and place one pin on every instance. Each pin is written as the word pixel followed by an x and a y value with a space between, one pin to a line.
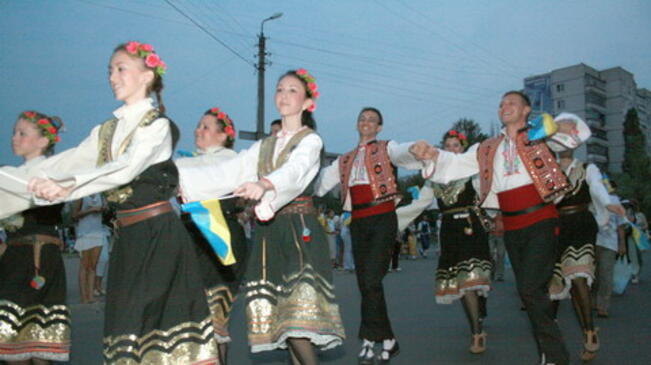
pixel 259 132
pixel 261 67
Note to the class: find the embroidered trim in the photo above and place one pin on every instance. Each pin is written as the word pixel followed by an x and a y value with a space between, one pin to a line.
pixel 449 193
pixel 105 155
pixel 267 150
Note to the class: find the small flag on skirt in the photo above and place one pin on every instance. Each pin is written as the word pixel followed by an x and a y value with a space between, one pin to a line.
pixel 208 216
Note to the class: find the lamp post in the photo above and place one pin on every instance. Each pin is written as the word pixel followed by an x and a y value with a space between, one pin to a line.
pixel 261 67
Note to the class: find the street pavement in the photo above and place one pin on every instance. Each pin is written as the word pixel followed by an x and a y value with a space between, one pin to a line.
pixel 428 333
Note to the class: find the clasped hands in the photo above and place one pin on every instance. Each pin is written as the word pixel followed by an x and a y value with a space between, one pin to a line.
pixel 423 151
pixel 48 189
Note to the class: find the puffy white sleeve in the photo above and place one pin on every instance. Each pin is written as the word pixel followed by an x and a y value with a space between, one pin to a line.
pixel 452 166
pixel 563 141
pixel 202 182
pixel 401 157
pixel 150 145
pixel 328 179
pixel 408 213
pixel 292 178
pixel 77 166
pixel 598 194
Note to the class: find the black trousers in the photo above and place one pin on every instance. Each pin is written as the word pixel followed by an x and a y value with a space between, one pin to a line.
pixel 373 243
pixel 532 254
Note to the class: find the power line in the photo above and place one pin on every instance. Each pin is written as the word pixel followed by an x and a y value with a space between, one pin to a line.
pixel 215 20
pixel 378 62
pixel 430 85
pixel 431 31
pixel 130 11
pixel 209 33
pixel 403 3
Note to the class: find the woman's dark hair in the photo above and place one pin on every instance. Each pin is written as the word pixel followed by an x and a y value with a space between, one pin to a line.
pixel 455 134
pixel 230 141
pixel 306 116
pixel 374 110
pixel 156 86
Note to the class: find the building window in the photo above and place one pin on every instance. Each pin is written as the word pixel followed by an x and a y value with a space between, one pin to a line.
pixel 597 149
pixel 595 98
pixel 560 87
pixel 599 133
pixel 560 104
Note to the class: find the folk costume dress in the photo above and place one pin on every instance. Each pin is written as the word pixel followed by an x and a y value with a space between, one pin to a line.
pixel 34 322
pixel 580 210
pixel 521 178
pixel 464 262
pixel 156 309
pixel 221 282
pixel 288 281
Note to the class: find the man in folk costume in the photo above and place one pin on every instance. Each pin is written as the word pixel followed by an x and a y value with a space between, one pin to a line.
pixel 369 188
pixel 521 177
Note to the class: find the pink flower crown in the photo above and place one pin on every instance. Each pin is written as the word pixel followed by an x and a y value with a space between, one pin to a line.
pixel 146 52
pixel 312 88
pixel 227 124
pixel 460 136
pixel 49 125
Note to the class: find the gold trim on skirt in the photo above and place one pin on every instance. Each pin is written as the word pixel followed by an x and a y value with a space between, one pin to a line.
pixel 35 331
pixel 186 343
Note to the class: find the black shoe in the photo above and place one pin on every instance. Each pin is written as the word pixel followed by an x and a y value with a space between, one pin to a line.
pixel 365 357
pixel 384 357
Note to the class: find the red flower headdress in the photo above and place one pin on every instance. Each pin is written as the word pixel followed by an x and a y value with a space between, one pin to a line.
pixel 147 53
pixel 312 88
pixel 460 136
pixel 226 123
pixel 50 125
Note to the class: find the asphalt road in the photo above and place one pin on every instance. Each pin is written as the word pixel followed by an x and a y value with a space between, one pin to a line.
pixel 428 333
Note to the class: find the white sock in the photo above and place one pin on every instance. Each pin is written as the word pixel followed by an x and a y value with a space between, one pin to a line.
pixel 387 345
pixel 367 344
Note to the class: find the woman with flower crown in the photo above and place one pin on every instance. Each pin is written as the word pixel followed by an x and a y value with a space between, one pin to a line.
pixel 156 310
pixel 290 301
pixel 214 138
pixel 464 266
pixel 34 318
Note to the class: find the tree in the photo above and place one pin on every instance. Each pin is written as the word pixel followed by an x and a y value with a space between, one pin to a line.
pixel 634 181
pixel 471 129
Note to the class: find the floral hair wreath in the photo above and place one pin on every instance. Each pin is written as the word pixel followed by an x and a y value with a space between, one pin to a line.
pixel 147 53
pixel 228 126
pixel 312 88
pixel 458 135
pixel 50 126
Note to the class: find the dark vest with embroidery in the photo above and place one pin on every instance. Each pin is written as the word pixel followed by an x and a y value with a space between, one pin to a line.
pixel 546 174
pixel 266 164
pixel 381 172
pixel 156 183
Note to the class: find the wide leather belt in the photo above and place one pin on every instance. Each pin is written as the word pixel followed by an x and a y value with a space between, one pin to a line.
pixel 33 239
pixel 301 205
pixel 132 216
pixel 572 209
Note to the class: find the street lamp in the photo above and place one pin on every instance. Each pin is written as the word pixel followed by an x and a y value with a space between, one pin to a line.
pixel 275 16
pixel 261 65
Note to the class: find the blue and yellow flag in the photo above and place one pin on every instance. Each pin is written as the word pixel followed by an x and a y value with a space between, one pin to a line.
pixel 542 126
pixel 640 237
pixel 208 217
